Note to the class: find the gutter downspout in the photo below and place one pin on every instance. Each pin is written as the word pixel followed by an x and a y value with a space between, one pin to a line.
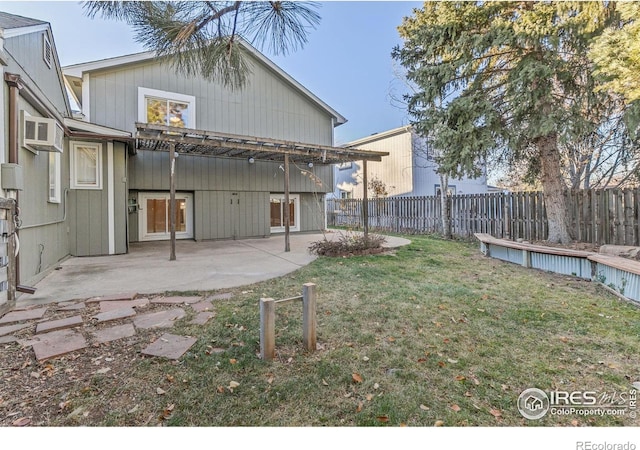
pixel 15 85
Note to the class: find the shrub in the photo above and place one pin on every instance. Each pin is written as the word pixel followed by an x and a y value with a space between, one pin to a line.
pixel 348 244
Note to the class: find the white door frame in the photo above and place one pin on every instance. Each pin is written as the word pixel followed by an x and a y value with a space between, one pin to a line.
pixel 142 216
pixel 295 198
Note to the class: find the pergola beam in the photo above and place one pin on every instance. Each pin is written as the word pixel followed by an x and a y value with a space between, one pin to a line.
pixel 158 138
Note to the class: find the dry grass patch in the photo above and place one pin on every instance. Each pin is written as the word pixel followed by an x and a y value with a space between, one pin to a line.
pixel 435 332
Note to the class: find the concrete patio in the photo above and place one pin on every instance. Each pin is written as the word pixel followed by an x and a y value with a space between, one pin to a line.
pixel 199 266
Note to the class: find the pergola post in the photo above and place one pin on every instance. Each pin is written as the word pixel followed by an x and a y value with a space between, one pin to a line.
pixel 172 200
pixel 365 200
pixel 287 212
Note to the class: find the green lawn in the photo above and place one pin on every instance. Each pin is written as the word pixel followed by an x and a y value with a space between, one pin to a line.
pixel 433 334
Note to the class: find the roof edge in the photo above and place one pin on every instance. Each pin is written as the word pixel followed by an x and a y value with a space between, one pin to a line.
pixel 76 70
pixel 378 136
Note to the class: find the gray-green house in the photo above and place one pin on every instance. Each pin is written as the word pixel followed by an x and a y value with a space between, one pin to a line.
pixel 97 179
pixel 219 197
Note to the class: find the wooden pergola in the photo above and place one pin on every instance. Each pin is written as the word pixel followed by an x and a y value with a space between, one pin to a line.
pixel 209 143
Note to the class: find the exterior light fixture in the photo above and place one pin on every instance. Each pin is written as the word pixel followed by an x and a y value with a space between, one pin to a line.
pixel 310 165
pixel 251 160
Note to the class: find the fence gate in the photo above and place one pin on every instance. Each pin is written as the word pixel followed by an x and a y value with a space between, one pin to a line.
pixel 7 255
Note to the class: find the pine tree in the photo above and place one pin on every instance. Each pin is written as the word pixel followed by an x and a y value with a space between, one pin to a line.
pixel 512 79
pixel 205 38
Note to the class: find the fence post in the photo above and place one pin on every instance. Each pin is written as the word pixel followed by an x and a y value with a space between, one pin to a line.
pixel 267 329
pixel 309 316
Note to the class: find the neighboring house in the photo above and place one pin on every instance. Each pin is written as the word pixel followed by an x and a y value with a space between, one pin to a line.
pixel 408 171
pixel 99 178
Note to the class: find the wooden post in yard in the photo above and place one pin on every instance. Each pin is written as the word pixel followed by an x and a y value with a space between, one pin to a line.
pixel 365 200
pixel 287 212
pixel 267 329
pixel 309 316
pixel 172 200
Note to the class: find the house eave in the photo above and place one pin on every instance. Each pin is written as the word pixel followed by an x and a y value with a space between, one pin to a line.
pixel 77 71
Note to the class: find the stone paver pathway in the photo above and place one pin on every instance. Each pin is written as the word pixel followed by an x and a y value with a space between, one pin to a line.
pixel 170 346
pixel 54 335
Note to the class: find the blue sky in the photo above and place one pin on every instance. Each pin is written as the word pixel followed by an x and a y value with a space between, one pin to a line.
pixel 347 61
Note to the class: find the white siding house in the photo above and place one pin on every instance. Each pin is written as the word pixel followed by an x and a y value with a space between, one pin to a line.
pixel 408 171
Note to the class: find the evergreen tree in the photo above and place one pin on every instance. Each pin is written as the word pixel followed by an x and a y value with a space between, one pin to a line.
pixel 512 79
pixel 617 53
pixel 205 37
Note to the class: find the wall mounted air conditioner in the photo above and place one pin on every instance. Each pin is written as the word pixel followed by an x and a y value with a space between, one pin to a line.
pixel 41 134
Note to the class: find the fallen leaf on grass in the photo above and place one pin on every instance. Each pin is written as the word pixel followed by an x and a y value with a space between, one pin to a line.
pixel 455 407
pixel 167 412
pixel 64 405
pixel 170 378
pixel 391 339
pixel 574 422
pixel 383 419
pixel 270 380
pixel 421 360
pixel 564 339
pixel 496 413
pixel 357 378
pixel 376 385
pixel 359 407
pixel 369 397
pixel 460 378
pixel 324 383
pixel 446 340
pixel 233 384
pixel 452 361
pixel 438 423
pixel 233 361
pixel 441 363
pixel 365 358
pixel 160 391
pixel 220 389
pixel 424 407
pixel 21 422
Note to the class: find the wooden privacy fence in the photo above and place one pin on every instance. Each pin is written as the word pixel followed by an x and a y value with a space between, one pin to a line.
pixel 610 216
pixel 7 255
pixel 268 321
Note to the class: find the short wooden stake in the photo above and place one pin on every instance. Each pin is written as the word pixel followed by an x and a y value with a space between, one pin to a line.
pixel 267 329
pixel 309 316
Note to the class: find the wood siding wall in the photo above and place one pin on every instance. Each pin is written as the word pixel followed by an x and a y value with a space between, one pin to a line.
pixel 149 170
pixel 88 213
pixel 267 107
pixel 28 49
pixel 216 181
pixel 43 235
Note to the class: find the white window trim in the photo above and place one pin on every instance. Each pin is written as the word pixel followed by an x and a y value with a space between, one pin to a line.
pixel 74 181
pixel 57 178
pixel 296 200
pixel 143 93
pixel 142 214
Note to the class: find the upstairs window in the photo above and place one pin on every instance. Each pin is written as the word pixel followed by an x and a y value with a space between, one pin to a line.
pixel 46 50
pixel 166 108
